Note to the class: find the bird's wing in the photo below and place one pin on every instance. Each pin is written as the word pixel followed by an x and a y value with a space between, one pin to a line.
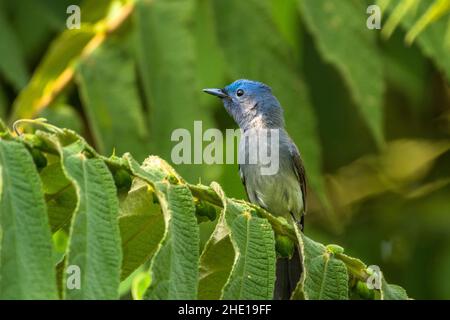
pixel 299 170
pixel 242 176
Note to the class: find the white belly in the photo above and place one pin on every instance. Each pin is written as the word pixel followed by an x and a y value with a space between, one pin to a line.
pixel 280 194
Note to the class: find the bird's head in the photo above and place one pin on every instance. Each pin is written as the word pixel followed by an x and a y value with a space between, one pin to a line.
pixel 251 104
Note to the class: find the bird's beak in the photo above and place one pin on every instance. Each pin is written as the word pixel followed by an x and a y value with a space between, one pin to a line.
pixel 216 92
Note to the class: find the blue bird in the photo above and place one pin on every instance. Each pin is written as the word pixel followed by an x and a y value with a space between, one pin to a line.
pixel 254 108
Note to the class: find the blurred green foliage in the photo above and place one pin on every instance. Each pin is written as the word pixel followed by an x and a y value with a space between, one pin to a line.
pixel 369 109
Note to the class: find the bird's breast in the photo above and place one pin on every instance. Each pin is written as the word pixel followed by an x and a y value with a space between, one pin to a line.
pixel 279 193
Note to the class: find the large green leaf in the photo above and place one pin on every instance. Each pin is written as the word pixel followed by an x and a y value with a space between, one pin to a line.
pixel 26 260
pixel 111 101
pixel 174 267
pixel 324 276
pixel 253 272
pixel 94 243
pixel 216 259
pixel 327 279
pixel 255 55
pixel 141 226
pixel 336 28
pixel 60 194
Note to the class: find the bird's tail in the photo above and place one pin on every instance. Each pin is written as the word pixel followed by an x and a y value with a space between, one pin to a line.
pixel 288 274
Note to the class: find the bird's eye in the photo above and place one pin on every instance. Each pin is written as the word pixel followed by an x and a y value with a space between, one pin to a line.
pixel 240 93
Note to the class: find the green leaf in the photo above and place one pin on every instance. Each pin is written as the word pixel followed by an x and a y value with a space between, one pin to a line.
pixel 327 280
pixel 12 60
pixel 336 28
pixel 60 195
pixel 94 238
pixel 139 285
pixel 216 259
pixel 392 291
pixel 26 260
pixel 253 272
pixel 273 65
pixel 174 267
pixel 94 241
pixel 324 277
pixel 111 101
pixel 141 226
